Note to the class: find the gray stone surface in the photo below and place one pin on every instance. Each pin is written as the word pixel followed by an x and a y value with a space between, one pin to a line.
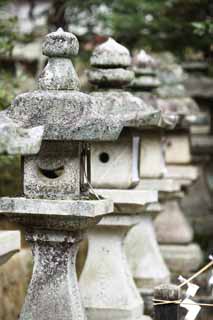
pixel 129 201
pixel 132 111
pixel 144 257
pixel 172 93
pixel 182 107
pixel 50 109
pixel 198 204
pixel 115 77
pixel 65 113
pixel 199 86
pixel 169 72
pixel 145 82
pixel 144 61
pixel 10 243
pixel 55 173
pixel 160 185
pixel 60 44
pixel 16 140
pixel 168 91
pixel 187 172
pixel 115 165
pixel 54 226
pixel 59 74
pixel 106 284
pixel 50 294
pixel 182 258
pixel 54 214
pixel 151 151
pixel 119 104
pixel 175 143
pixel 172 226
pixel 110 54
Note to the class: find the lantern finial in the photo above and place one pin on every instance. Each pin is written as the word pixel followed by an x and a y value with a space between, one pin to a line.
pixel 59 74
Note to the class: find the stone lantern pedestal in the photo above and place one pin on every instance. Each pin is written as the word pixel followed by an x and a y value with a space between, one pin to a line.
pixel 108 289
pixel 145 257
pixel 54 229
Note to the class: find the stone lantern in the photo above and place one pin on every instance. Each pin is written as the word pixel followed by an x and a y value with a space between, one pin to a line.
pixel 115 174
pixel 56 205
pixel 145 259
pixel 174 232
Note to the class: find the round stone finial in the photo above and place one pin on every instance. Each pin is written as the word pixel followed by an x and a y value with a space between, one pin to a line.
pixel 59 73
pixel 142 59
pixel 110 54
pixel 60 44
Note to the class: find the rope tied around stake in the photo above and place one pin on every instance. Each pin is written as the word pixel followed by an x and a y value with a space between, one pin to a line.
pixel 158 302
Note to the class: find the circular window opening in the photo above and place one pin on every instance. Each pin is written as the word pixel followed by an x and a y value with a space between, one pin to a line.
pixel 104 157
pixel 52 174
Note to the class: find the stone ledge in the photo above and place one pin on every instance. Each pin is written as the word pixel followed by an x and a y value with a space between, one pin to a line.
pixel 56 214
pixel 129 201
pixel 160 185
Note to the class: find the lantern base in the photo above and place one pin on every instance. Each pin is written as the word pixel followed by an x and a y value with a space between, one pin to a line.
pixel 53 292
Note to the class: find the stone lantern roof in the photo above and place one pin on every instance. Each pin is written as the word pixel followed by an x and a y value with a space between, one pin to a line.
pixel 58 105
pixel 110 73
pixel 145 70
pixel 16 140
pixel 144 83
pixel 172 95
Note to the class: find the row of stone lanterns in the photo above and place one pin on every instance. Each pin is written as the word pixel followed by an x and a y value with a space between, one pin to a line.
pixel 79 166
pixel 106 281
pixel 176 235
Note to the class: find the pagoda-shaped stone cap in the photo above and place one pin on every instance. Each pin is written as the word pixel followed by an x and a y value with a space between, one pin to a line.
pixel 169 71
pixel 110 54
pixel 65 113
pixel 60 44
pixel 59 74
pixel 171 95
pixel 109 61
pixel 144 61
pixel 114 102
pixel 145 68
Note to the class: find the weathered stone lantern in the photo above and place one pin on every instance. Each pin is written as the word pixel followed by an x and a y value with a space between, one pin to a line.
pixel 115 173
pixel 173 230
pixel 56 206
pixel 145 259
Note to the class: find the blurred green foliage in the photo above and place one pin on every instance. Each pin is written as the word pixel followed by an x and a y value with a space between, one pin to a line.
pixel 155 24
